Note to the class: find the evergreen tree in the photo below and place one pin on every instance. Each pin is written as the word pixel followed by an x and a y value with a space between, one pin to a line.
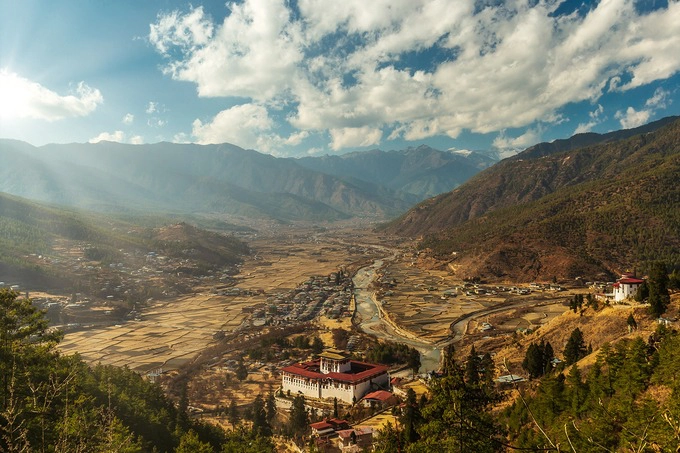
pixel 472 366
pixel 659 298
pixel 232 414
pixel 410 417
pixel 299 418
pixel 632 324
pixel 317 345
pixel 449 365
pixel 190 443
pixel 271 407
pixel 642 293
pixel 413 360
pixel 533 361
pixel 335 408
pixel 261 425
pixel 241 370
pixel 488 369
pixel 575 348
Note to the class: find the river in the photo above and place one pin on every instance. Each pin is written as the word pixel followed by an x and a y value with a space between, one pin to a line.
pixel 371 322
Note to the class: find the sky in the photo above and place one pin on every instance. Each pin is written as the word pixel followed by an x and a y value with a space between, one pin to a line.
pixel 315 77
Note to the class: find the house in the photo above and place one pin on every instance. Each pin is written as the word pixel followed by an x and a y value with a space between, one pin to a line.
pixel 379 398
pixel 626 287
pixel 356 439
pixel 333 375
pixel 328 427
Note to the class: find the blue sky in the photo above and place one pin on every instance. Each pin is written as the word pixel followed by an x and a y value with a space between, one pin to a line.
pixel 308 77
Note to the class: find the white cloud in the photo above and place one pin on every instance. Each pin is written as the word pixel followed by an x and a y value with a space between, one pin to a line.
pixel 349 137
pixel 595 119
pixel 509 145
pixel 240 125
pixel 253 53
pixel 181 137
pixel 247 126
pixel 343 67
pixel 659 99
pixel 22 98
pixel 632 118
pixel 128 119
pixel 117 136
pixel 151 107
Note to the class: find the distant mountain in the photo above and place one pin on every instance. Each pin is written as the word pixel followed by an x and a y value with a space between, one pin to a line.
pixel 418 173
pixel 185 178
pixel 550 212
pixel 36 241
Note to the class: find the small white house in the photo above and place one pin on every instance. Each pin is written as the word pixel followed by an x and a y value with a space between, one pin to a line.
pixel 626 287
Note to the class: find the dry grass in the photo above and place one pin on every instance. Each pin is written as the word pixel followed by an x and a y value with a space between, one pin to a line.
pixel 607 325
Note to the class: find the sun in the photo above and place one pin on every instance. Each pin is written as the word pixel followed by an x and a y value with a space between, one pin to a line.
pixel 14 95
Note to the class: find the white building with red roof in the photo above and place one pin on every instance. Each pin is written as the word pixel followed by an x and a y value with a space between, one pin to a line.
pixel 626 287
pixel 333 375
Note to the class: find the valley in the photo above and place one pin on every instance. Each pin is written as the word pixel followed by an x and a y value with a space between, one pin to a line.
pixel 289 284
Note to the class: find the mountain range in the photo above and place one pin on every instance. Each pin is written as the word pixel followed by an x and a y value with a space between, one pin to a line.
pixel 593 204
pixel 189 178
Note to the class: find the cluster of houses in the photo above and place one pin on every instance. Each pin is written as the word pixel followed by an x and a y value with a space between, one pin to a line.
pixel 329 296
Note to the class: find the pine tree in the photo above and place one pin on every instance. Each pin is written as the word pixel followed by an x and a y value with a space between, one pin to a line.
pixel 299 418
pixel 411 417
pixel 575 349
pixel 261 425
pixel 233 415
pixel 472 366
pixel 271 407
pixel 659 298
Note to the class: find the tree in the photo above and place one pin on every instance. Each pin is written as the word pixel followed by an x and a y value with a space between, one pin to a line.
pixel 576 303
pixel 472 367
pixel 575 348
pixel 538 359
pixel 190 443
pixel 271 407
pixel 299 418
pixel 232 414
pixel 411 417
pixel 261 425
pixel 241 371
pixel 335 408
pixel 632 324
pixel 659 298
pixel 317 345
pixel 642 293
pixel 23 333
pixel 413 360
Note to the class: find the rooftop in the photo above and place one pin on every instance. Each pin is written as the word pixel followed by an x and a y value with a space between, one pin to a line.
pixel 358 371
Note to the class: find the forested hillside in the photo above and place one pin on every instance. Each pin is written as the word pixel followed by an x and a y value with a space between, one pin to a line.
pixel 55 403
pixel 590 211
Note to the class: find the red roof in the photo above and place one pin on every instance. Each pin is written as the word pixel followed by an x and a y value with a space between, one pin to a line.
pixel 333 423
pixel 320 425
pixel 631 281
pixel 380 395
pixel 359 371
